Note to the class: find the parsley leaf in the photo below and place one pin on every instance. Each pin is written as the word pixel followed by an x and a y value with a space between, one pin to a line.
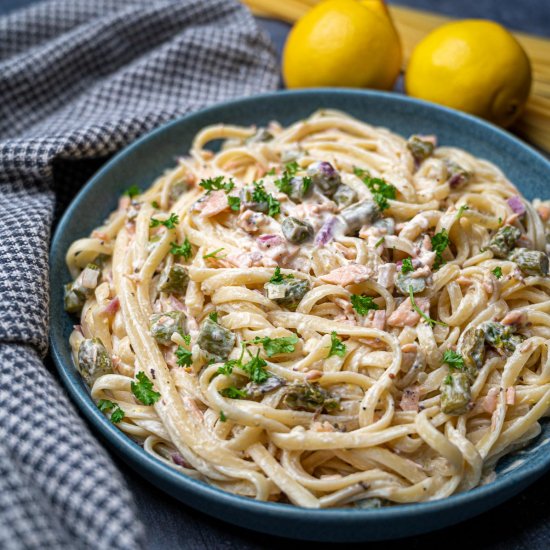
pixel 155 204
pixel 440 241
pixel 283 183
pixel 255 368
pixel 497 272
pixel 233 393
pixel 214 254
pixel 407 266
pixel 448 379
pixel 217 184
pixel 143 390
pixel 292 168
pixel 223 418
pixel 105 405
pixel 181 250
pixel 234 203
pixel 227 367
pixel 380 189
pixel 278 278
pixel 453 359
pixel 336 346
pixel 431 322
pixel 184 356
pixel 170 223
pixel 132 191
pixel 117 415
pixel 362 304
pixel 260 195
pixel 213 316
pixel 275 346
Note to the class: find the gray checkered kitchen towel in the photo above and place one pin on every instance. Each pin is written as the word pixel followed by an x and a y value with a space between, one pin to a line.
pixel 79 79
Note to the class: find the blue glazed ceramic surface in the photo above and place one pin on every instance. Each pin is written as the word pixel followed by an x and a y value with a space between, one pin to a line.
pixel 144 160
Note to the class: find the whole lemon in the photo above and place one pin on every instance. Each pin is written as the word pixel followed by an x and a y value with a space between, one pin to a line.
pixel 342 43
pixel 472 65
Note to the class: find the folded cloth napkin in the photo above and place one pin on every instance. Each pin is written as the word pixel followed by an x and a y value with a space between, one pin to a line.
pixel 79 79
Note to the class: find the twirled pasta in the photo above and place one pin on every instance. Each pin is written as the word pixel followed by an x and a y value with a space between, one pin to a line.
pixel 388 436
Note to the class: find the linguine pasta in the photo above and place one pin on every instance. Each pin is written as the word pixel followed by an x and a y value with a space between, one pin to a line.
pixel 325 314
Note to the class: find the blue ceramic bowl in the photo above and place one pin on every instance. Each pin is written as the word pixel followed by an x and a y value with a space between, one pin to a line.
pixel 144 160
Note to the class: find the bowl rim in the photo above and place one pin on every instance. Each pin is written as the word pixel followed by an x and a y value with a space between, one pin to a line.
pixel 151 467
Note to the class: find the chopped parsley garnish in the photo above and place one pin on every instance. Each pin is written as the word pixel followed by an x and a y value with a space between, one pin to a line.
pixel 214 254
pixel 379 242
pixel 453 359
pixel 255 368
pixel 233 393
pixel 260 195
pixel 499 220
pixel 440 241
pixel 132 191
pixel 278 278
pixel 184 356
pixel 292 168
pixel 497 272
pixel 181 249
pixel 337 347
pixel 143 390
pixel 217 184
pixel 104 405
pixel 223 418
pixel 234 203
pixel 363 304
pixel 284 182
pixel 271 172
pixel 213 316
pixel 186 338
pixel 306 184
pixel 448 379
pixel 275 346
pixel 431 322
pixel 227 367
pixel 155 204
pixel 117 415
pixel 407 266
pixel 170 223
pixel 380 189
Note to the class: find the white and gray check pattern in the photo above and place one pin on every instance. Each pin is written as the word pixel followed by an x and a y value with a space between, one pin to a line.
pixel 79 79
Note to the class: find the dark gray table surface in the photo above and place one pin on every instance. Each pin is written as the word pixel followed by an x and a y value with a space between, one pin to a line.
pixel 521 523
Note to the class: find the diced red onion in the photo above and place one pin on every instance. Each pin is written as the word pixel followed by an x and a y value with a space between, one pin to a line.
pixel 113 306
pixel 176 304
pixel 456 180
pixel 267 241
pixel 180 461
pixel 516 204
pixel 325 168
pixel 326 233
